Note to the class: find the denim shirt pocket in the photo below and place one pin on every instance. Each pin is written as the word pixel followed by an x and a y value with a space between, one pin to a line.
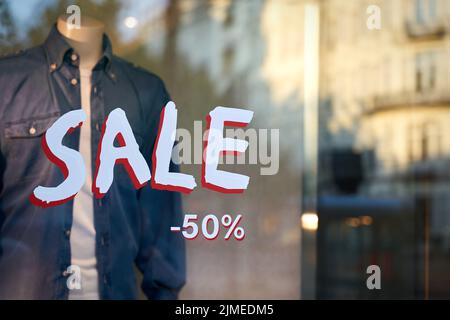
pixel 29 128
pixel 23 148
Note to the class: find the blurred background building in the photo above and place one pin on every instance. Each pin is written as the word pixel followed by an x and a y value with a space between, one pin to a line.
pixel 363 154
pixel 383 182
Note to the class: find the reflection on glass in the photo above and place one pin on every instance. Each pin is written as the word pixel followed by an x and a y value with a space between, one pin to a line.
pixel 363 117
pixel 383 152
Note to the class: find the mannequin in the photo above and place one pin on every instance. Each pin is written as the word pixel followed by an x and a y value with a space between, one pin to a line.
pixel 56 255
pixel 87 40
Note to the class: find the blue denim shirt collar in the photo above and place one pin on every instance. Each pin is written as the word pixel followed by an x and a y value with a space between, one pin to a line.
pixel 57 49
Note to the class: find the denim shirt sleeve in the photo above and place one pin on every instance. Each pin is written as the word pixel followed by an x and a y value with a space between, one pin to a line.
pixel 161 257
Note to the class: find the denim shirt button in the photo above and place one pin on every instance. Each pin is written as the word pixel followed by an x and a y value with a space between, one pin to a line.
pixel 67 233
pixel 65 273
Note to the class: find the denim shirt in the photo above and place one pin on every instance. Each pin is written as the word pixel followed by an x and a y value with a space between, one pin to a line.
pixel 37 86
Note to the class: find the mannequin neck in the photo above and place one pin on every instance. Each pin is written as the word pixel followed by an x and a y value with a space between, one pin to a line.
pixel 87 40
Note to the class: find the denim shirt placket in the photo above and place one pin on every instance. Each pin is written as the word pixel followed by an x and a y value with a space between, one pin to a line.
pixel 101 214
pixel 68 76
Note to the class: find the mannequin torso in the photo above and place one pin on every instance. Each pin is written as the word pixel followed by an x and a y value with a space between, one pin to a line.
pixel 87 42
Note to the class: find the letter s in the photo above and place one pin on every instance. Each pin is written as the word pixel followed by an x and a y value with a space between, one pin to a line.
pixel 68 160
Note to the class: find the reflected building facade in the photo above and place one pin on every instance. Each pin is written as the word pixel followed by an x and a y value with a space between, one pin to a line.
pixel 385 106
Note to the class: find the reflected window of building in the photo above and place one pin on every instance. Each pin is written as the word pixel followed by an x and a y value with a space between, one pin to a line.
pixel 425 71
pixel 415 143
pixel 432 140
pixel 424 145
pixel 425 142
pixel 425 11
pixel 229 18
pixel 228 59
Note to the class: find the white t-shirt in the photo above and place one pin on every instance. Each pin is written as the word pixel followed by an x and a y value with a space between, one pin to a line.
pixel 82 239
